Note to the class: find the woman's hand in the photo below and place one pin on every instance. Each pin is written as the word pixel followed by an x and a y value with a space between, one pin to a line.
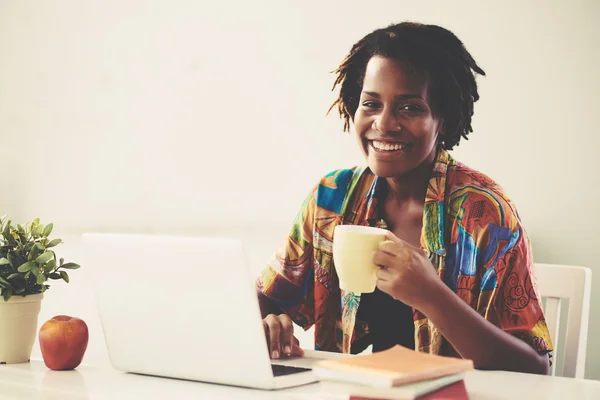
pixel 407 275
pixel 279 331
pixel 405 272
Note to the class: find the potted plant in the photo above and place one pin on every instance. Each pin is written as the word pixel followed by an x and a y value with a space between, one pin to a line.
pixel 27 262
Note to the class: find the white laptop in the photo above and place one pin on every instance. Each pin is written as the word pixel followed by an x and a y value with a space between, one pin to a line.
pixel 185 307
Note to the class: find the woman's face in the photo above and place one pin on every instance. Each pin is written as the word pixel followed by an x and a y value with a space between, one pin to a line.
pixel 395 127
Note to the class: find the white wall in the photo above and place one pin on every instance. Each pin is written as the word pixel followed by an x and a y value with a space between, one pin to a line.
pixel 187 116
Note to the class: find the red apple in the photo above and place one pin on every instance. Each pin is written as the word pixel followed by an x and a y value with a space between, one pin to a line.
pixel 63 341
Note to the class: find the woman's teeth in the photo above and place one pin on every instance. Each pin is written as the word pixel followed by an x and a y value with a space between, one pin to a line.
pixel 386 146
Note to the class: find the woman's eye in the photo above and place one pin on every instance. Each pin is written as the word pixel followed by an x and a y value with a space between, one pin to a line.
pixel 410 107
pixel 370 104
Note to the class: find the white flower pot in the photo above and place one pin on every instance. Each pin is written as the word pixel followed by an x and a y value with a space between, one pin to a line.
pixel 18 327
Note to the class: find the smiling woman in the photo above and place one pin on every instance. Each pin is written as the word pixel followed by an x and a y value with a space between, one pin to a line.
pixel 456 273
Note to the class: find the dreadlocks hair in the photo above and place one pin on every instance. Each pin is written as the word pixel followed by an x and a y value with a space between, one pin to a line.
pixel 430 50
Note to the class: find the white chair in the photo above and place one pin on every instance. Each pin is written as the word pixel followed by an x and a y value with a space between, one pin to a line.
pixel 556 283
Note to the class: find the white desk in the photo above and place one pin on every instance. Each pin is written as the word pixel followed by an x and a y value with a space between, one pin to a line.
pixel 35 381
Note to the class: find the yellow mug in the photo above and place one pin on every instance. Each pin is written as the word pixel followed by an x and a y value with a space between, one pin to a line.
pixel 353 247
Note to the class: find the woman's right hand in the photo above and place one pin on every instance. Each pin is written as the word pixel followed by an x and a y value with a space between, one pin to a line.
pixel 279 331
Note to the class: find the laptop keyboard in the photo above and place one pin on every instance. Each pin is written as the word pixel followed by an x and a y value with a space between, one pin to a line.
pixel 281 370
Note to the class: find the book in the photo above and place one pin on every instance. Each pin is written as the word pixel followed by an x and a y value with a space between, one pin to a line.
pixel 455 391
pixel 393 367
pixel 451 387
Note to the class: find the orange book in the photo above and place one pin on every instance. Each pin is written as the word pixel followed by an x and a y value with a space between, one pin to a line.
pixel 393 367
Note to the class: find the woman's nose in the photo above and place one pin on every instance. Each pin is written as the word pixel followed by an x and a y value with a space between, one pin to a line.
pixel 386 123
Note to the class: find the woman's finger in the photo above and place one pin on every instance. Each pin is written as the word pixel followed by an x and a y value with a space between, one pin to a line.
pixel 383 274
pixel 382 259
pixel 390 236
pixel 287 334
pixel 274 328
pixel 393 238
pixel 384 286
pixel 390 247
pixel 296 349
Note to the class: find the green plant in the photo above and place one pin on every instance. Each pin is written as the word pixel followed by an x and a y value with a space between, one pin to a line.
pixel 26 261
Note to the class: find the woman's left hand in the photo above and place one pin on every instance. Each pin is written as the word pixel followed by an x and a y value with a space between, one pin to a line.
pixel 405 272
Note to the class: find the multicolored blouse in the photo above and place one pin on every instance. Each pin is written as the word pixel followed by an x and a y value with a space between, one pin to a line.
pixel 471 232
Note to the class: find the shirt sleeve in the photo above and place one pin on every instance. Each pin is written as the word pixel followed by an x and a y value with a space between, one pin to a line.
pixel 288 278
pixel 509 296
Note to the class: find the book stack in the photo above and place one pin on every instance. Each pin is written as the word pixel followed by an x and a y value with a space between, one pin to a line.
pixel 397 373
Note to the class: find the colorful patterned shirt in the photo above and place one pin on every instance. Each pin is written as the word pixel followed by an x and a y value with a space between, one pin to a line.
pixel 471 233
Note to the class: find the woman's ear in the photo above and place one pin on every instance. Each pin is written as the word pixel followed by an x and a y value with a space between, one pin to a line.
pixel 441 133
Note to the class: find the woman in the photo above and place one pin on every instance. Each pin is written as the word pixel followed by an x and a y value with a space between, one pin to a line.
pixel 466 286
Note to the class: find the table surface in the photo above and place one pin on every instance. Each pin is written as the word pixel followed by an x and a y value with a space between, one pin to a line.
pixel 34 381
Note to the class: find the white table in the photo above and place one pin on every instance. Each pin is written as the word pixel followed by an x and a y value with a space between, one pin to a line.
pixel 34 381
